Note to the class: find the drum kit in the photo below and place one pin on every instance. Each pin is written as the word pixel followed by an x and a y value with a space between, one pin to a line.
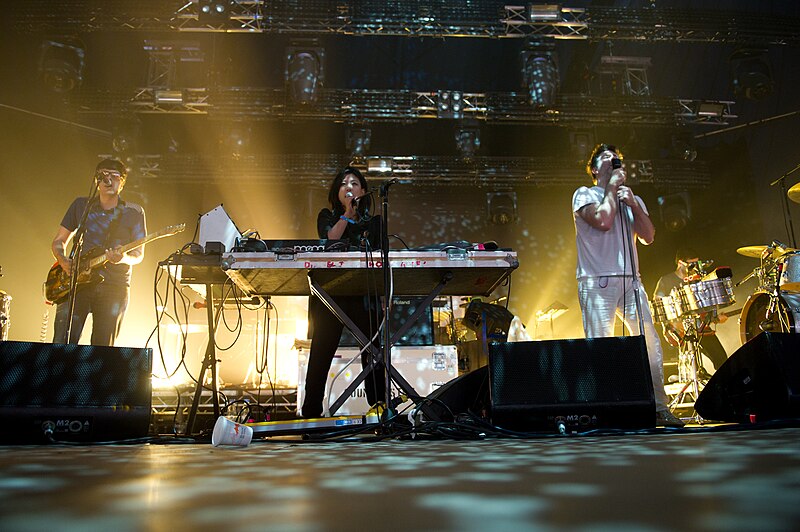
pixel 694 305
pixel 775 305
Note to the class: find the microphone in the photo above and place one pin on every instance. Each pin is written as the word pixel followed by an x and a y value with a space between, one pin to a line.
pixel 385 186
pixel 780 246
pixel 349 194
pixel 616 162
pixel 105 179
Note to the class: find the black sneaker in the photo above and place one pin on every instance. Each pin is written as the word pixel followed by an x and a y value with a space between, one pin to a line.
pixel 665 418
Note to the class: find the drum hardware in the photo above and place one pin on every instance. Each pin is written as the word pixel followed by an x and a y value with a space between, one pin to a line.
pixel 774 311
pixel 696 303
pixel 690 372
pixel 5 314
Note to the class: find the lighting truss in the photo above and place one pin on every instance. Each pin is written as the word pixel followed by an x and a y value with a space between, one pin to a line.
pixel 708 112
pixel 410 169
pixel 180 101
pixel 362 105
pixel 438 19
pixel 573 24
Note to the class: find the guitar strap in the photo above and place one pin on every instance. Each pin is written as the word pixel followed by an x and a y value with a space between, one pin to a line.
pixel 112 226
pixel 115 218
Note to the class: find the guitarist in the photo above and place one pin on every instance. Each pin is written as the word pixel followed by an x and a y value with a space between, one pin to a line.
pixel 111 222
pixel 689 266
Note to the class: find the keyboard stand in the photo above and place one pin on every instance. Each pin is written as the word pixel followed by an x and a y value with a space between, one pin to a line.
pixel 377 354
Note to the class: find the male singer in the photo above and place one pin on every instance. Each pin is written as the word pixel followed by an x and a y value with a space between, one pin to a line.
pixel 110 224
pixel 607 218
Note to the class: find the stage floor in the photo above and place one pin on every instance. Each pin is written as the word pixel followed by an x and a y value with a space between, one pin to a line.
pixel 699 478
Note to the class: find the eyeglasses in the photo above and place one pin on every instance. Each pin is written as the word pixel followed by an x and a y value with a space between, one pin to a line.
pixel 113 174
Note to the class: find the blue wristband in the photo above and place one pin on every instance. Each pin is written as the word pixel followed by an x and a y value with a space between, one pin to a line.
pixel 346 219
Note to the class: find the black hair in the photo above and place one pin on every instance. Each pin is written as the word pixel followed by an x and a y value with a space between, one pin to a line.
pixel 685 252
pixel 333 192
pixel 112 164
pixel 600 148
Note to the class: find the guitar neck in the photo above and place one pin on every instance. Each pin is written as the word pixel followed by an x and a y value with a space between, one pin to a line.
pixel 102 259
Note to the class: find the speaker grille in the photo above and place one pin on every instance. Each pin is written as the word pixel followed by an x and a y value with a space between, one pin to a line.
pixel 42 375
pixel 73 392
pixel 606 379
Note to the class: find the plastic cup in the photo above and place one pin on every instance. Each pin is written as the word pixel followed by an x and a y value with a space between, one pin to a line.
pixel 227 432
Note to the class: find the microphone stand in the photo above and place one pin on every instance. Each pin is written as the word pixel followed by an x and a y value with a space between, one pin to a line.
pixel 75 255
pixel 387 348
pixel 627 228
pixel 785 204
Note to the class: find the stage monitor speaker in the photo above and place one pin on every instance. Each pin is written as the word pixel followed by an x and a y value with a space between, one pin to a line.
pixel 77 393
pixel 760 381
pixel 468 393
pixel 572 384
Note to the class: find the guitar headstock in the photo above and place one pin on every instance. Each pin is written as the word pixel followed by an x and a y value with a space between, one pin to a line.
pixel 172 229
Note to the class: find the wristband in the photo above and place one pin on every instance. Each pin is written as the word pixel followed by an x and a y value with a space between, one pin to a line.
pixel 346 219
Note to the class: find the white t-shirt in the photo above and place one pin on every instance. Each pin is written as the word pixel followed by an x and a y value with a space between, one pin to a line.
pixel 603 253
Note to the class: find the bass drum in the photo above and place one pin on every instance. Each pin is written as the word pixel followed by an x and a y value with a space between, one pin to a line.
pixel 754 315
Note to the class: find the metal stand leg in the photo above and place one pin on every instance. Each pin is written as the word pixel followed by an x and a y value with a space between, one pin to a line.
pixel 688 371
pixel 209 363
pixel 377 355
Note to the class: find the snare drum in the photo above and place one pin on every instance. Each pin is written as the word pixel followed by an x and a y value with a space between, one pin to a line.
pixel 790 274
pixel 664 309
pixel 5 310
pixel 703 296
pixel 754 315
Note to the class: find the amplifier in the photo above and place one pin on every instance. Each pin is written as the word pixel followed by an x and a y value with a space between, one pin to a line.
pixel 425 368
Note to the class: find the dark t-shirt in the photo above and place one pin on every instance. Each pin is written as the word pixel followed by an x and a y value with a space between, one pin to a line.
pixel 131 226
pixel 354 232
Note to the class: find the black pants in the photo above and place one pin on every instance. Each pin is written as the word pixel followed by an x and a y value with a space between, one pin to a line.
pixel 105 302
pixel 326 331
pixel 713 349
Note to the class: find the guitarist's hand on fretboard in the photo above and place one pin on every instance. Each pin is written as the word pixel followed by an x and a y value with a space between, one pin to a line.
pixel 115 255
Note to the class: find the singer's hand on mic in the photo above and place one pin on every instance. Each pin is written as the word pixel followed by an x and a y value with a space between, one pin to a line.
pixel 625 195
pixel 351 207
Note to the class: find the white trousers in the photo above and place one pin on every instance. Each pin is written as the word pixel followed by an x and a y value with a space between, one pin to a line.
pixel 602 299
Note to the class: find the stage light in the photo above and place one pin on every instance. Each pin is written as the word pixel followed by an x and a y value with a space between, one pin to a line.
pixel 544 12
pixel 501 207
pixel 468 140
pixel 675 210
pixel 125 138
pixel 214 11
pixel 236 140
pixel 304 73
pixel 61 64
pixel 684 149
pixel 752 75
pixel 540 73
pixel 379 165
pixel 449 104
pixel 357 141
pixel 172 97
pixel 711 109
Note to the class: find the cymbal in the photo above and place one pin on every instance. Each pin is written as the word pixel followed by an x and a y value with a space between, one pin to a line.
pixel 794 193
pixel 758 251
pixel 752 251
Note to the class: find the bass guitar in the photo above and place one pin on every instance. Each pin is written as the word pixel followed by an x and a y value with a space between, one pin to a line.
pixel 56 287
